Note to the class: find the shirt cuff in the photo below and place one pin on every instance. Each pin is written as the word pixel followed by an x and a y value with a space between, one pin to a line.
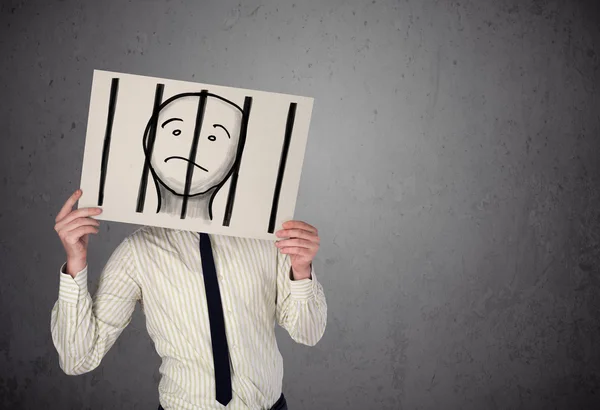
pixel 70 289
pixel 303 289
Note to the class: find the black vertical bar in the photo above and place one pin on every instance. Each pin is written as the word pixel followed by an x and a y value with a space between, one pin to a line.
pixel 289 126
pixel 114 89
pixel 240 150
pixel 193 150
pixel 149 148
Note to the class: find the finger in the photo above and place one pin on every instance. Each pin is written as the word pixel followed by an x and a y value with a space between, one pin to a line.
pixel 77 223
pixel 80 213
pixel 298 233
pixel 300 225
pixel 302 243
pixel 295 250
pixel 72 237
pixel 66 208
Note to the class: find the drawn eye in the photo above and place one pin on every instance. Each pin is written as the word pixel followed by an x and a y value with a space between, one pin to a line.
pixel 212 137
pixel 176 132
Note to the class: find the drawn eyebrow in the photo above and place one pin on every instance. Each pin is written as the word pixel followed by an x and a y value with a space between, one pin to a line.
pixel 219 125
pixel 169 120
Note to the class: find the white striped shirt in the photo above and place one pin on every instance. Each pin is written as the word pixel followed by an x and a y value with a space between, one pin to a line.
pixel 161 268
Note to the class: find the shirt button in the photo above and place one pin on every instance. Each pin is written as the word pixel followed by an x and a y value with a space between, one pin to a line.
pixel 220 276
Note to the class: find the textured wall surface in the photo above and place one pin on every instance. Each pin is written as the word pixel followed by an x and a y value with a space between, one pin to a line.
pixel 453 169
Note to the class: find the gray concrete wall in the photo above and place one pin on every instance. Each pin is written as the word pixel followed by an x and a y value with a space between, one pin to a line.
pixel 453 169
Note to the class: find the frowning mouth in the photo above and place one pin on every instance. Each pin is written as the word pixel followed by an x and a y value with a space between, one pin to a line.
pixel 186 160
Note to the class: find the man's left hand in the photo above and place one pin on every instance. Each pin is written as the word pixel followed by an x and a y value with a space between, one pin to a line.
pixel 302 246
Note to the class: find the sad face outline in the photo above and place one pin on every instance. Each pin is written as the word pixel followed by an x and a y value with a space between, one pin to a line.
pixel 184 130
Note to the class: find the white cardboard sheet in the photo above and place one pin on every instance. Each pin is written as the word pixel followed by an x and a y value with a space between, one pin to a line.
pixel 193 156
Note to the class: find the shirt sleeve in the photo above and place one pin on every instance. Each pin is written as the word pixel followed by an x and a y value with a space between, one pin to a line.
pixel 301 304
pixel 84 329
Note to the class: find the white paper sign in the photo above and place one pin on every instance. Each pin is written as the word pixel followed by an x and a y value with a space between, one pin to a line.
pixel 193 156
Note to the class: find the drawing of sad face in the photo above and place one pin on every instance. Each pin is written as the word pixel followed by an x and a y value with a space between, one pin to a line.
pixel 216 149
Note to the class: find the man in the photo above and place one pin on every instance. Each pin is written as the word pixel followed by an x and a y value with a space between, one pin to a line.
pixel 168 272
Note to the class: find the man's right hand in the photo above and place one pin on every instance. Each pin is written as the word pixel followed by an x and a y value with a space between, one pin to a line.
pixel 73 228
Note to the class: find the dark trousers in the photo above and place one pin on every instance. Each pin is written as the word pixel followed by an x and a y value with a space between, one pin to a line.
pixel 280 404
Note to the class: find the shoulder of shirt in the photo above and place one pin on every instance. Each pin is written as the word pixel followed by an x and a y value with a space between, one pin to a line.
pixel 245 244
pixel 146 233
pixel 244 240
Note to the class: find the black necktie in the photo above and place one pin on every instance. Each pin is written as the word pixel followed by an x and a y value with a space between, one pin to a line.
pixel 217 322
